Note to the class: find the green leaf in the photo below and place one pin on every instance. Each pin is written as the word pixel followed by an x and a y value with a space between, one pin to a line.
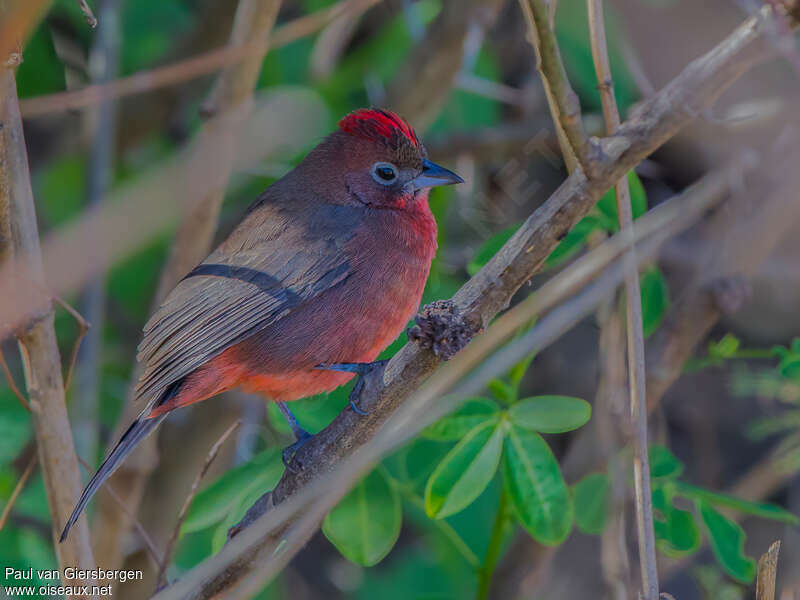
pixel 15 427
pixel 365 525
pixel 766 510
pixel 726 347
pixel 536 487
pixel 465 471
pixel 518 371
pixel 502 391
pixel 655 299
pixel 663 463
pixel 490 248
pixel 590 498
pixel 550 414
pixel 727 542
pixel 224 495
pixel 456 425
pixel 677 535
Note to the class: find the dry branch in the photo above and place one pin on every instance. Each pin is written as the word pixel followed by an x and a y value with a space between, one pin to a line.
pixel 768 572
pixel 635 333
pixel 480 299
pixel 561 98
pixel 37 340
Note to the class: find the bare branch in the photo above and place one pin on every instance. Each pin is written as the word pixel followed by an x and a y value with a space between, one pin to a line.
pixel 633 304
pixel 87 13
pixel 562 99
pixel 161 578
pixel 768 572
pixel 37 341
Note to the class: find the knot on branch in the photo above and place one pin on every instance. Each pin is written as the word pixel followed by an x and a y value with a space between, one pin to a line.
pixel 730 294
pixel 441 328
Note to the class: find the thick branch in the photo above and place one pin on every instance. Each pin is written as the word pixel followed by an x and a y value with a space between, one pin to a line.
pixel 490 290
pixel 37 341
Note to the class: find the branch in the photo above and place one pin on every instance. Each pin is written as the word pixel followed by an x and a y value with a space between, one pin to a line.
pixel 561 98
pixel 231 97
pixel 37 341
pixel 633 304
pixel 768 572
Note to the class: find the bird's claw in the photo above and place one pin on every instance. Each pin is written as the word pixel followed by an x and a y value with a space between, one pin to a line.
pixel 360 369
pixel 288 453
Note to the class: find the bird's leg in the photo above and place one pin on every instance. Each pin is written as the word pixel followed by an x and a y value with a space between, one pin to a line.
pixel 360 369
pixel 300 434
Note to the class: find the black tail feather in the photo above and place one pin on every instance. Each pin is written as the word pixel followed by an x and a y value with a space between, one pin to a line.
pixel 138 430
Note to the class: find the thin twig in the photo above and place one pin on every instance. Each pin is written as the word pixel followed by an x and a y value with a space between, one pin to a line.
pixel 768 572
pixel 83 327
pixel 191 68
pixel 17 490
pixel 11 383
pixel 561 98
pixel 633 302
pixel 38 344
pixel 87 12
pixel 161 578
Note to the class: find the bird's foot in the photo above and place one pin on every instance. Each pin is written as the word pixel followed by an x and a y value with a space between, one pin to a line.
pixel 300 434
pixel 441 328
pixel 360 369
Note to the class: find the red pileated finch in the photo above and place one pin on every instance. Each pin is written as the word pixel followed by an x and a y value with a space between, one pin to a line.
pixel 326 267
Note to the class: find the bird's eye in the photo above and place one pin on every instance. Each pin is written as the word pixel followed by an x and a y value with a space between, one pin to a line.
pixel 384 173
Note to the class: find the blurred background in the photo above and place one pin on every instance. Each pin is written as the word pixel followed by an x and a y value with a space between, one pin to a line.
pixel 463 73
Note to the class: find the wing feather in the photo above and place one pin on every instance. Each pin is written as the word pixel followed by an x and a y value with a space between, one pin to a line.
pixel 232 295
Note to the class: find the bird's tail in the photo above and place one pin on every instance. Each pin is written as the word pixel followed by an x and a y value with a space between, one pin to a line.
pixel 139 429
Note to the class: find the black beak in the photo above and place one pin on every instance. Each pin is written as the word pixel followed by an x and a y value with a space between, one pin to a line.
pixel 433 175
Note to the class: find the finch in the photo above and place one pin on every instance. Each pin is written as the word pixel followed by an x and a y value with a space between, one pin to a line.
pixel 327 266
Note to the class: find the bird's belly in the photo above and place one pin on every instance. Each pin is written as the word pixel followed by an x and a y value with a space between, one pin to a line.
pixel 349 324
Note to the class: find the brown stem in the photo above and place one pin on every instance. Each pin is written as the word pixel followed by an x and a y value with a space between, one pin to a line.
pixel 37 341
pixel 17 490
pixel 633 304
pixel 561 98
pixel 161 578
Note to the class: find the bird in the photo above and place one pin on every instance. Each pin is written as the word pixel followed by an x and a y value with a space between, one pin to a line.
pixel 323 272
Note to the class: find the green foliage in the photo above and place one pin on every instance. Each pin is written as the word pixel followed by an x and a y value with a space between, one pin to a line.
pixel 473 412
pixel 465 471
pixel 590 500
pixel 655 298
pixel 550 414
pixel 228 496
pixel 490 248
pixel 727 543
pixel 664 464
pixel 537 490
pixel 365 524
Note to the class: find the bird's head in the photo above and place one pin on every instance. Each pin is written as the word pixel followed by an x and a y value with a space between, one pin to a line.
pixel 382 161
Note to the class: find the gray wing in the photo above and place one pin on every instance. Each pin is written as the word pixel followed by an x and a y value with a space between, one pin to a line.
pixel 230 296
